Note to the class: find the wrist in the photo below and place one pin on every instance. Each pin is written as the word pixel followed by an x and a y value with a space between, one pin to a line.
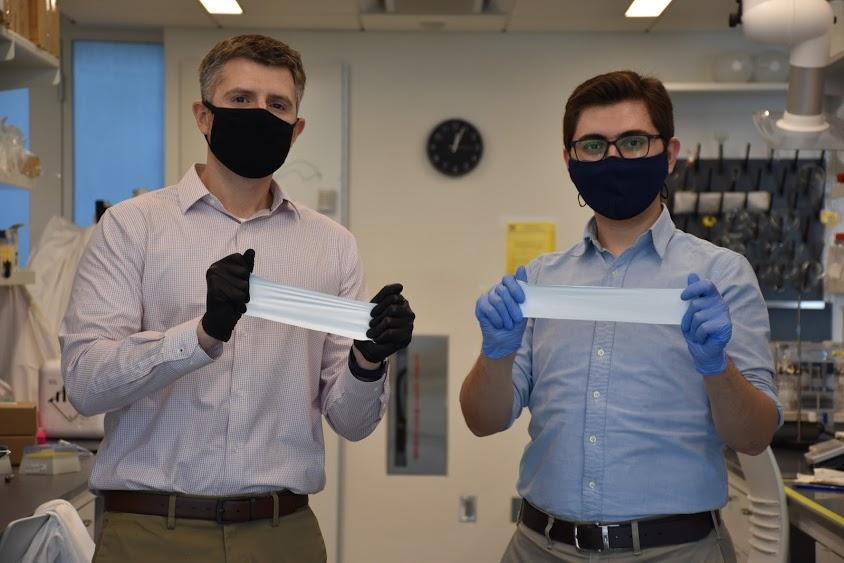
pixel 363 369
pixel 207 342
pixel 363 362
pixel 715 366
pixel 493 352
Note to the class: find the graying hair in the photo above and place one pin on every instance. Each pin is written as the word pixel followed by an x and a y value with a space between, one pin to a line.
pixel 258 48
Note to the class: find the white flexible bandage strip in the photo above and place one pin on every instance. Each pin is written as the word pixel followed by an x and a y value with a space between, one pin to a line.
pixel 650 306
pixel 308 309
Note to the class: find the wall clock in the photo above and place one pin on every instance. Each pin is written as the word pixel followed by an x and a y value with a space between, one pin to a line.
pixel 455 147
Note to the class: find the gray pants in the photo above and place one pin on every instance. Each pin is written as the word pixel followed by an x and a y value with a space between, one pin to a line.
pixel 527 546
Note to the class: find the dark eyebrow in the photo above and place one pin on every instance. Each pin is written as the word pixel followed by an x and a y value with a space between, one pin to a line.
pixel 591 136
pixel 636 132
pixel 239 91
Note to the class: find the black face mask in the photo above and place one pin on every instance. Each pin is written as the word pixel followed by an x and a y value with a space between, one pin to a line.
pixel 619 188
pixel 252 142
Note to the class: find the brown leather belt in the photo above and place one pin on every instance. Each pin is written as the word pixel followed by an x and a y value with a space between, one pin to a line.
pixel 657 532
pixel 222 510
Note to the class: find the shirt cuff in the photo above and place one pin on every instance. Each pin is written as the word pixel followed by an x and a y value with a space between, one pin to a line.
pixel 365 375
pixel 182 345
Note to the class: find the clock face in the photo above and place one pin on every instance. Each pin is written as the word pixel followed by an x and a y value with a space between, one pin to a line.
pixel 455 147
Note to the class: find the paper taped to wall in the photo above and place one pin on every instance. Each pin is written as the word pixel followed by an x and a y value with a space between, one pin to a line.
pixel 613 304
pixel 308 309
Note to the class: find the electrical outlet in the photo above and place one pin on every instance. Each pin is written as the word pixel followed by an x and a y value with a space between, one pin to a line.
pixel 468 509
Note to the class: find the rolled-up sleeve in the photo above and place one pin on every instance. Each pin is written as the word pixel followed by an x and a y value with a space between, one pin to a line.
pixel 523 364
pixel 352 407
pixel 749 347
pixel 108 361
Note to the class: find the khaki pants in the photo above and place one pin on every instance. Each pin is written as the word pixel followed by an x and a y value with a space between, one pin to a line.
pixel 527 546
pixel 130 538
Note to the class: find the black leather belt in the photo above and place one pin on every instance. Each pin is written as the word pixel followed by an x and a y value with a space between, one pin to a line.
pixel 222 510
pixel 656 532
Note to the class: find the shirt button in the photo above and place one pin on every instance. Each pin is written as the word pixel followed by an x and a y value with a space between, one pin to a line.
pixel 592 484
pixel 601 352
pixel 593 439
pixel 596 394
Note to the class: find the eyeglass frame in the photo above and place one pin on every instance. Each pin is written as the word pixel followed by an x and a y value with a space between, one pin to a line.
pixel 649 136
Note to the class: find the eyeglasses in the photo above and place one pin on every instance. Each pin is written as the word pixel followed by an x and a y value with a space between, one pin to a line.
pixel 593 149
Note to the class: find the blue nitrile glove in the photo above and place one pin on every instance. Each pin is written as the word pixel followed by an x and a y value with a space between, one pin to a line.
pixel 706 326
pixel 500 316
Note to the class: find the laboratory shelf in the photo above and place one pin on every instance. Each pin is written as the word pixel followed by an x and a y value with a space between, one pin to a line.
pixel 16 180
pixel 725 87
pixel 809 416
pixel 21 277
pixel 24 64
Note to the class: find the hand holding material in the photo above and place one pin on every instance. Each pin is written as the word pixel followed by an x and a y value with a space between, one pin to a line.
pixel 706 326
pixel 500 317
pixel 391 327
pixel 228 293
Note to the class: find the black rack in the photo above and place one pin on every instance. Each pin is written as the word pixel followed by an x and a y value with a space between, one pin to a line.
pixel 783 243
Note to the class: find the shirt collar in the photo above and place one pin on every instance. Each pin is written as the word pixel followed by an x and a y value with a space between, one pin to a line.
pixel 191 189
pixel 659 234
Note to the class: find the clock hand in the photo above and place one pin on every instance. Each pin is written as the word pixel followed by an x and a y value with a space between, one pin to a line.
pixel 457 138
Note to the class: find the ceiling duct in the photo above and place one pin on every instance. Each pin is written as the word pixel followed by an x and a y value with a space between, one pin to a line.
pixel 438 7
pixel 435 15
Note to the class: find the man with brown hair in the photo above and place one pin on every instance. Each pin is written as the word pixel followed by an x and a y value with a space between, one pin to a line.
pixel 628 422
pixel 214 422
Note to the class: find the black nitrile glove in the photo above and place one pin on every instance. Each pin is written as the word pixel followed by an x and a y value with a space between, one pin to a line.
pixel 391 326
pixel 228 293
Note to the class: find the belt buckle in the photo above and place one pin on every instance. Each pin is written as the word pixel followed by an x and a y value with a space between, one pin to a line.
pixel 219 510
pixel 605 537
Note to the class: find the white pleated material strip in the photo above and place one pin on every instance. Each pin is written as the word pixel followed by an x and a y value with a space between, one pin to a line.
pixel 308 309
pixel 612 304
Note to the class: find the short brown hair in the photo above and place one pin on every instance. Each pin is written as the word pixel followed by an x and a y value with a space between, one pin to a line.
pixel 619 86
pixel 258 48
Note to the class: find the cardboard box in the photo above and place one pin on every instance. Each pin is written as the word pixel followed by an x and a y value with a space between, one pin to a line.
pixel 16 16
pixel 54 43
pixel 18 419
pixel 44 25
pixel 17 444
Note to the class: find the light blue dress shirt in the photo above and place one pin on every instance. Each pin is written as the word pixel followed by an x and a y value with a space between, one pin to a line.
pixel 621 427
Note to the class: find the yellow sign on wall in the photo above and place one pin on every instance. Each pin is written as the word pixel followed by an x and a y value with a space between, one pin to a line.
pixel 526 241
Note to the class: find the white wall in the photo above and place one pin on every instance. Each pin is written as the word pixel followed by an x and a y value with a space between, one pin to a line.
pixel 444 238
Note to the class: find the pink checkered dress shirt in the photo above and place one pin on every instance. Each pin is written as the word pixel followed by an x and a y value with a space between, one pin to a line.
pixel 247 420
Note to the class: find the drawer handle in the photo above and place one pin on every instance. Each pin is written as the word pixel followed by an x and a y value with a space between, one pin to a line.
pixel 746 511
pixel 87 522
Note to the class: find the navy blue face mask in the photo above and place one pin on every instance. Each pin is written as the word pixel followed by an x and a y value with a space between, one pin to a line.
pixel 619 188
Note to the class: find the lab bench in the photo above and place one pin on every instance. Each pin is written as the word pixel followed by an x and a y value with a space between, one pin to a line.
pixel 816 517
pixel 24 493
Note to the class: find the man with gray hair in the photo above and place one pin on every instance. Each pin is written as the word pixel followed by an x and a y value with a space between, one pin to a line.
pixel 214 422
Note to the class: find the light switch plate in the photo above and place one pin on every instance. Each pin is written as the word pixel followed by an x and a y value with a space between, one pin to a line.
pixel 468 508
